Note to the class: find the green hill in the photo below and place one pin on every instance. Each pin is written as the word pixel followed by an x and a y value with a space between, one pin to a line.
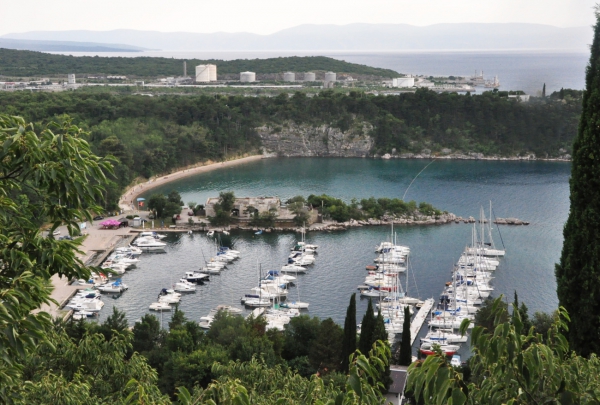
pixel 17 63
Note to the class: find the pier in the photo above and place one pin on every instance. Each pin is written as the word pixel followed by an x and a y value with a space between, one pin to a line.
pixel 419 319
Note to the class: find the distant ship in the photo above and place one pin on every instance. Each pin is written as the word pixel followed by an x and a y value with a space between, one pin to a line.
pixel 494 84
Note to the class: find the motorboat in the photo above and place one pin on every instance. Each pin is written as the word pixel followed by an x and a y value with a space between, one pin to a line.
pixel 196 277
pixel 160 306
pixel 273 275
pixel 86 304
pixel 226 250
pixel 294 305
pixel 169 296
pixel 455 361
pixel 293 268
pixel 210 233
pixel 302 260
pixel 150 245
pixel 255 301
pixel 206 321
pixel 87 293
pixel 116 287
pixel 373 292
pixel 83 314
pixel 152 234
pixel 184 286
pixel 428 348
pixel 129 250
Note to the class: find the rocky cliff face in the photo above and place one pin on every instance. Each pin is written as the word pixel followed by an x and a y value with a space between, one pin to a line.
pixel 302 140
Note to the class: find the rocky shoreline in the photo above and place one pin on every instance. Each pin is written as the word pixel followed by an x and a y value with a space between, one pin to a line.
pixel 343 226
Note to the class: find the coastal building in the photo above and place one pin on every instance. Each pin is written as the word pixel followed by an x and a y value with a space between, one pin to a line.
pixel 309 77
pixel 206 73
pixel 244 208
pixel 521 97
pixel 247 77
pixel 289 77
pixel 408 81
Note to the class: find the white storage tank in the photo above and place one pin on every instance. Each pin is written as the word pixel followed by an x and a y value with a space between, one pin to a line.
pixel 203 73
pixel 330 77
pixel 289 77
pixel 404 82
pixel 71 78
pixel 247 77
pixel 309 77
pixel 212 73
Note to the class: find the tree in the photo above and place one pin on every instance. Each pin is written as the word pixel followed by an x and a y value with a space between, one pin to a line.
pixel 405 357
pixel 67 178
pixel 157 203
pixel 510 366
pixel 175 197
pixel 349 341
pixel 577 272
pixel 146 333
pixel 544 91
pixel 366 330
pixel 523 313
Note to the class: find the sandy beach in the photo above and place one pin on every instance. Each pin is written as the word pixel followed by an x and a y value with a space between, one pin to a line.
pixel 128 199
pixel 98 239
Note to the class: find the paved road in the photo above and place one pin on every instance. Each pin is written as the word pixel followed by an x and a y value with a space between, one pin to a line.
pixel 96 239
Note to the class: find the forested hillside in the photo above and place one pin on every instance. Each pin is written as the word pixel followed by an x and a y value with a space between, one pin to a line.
pixel 154 135
pixel 27 63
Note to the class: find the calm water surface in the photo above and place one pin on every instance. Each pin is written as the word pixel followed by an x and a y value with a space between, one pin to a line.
pixel 534 191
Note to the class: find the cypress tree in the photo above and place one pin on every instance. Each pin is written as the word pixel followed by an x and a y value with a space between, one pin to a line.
pixel 349 341
pixel 578 272
pixel 379 332
pixel 544 91
pixel 366 330
pixel 405 357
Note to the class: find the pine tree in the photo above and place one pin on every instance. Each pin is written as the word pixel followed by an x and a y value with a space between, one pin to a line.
pixel 405 347
pixel 578 272
pixel 349 342
pixel 366 330
pixel 544 91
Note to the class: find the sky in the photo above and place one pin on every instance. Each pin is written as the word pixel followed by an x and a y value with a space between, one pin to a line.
pixel 269 16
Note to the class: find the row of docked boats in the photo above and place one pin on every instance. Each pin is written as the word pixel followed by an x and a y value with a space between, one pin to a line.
pixel 383 284
pixel 462 296
pixel 191 279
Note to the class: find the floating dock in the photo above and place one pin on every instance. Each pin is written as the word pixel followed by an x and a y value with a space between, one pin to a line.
pixel 419 319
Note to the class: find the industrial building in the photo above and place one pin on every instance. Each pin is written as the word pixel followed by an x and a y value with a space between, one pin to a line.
pixel 404 82
pixel 309 77
pixel 71 78
pixel 330 77
pixel 247 77
pixel 206 73
pixel 289 77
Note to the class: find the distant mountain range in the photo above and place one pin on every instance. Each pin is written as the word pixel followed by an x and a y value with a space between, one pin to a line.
pixel 351 37
pixel 65 46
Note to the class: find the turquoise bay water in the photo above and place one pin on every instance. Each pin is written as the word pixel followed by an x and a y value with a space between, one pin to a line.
pixel 534 191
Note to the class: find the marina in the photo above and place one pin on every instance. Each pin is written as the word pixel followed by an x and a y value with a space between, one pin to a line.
pixel 340 264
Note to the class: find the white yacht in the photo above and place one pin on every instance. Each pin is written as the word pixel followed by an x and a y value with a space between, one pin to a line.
pixel 152 234
pixel 184 286
pixel 196 277
pixel 160 306
pixel 150 245
pixel 293 268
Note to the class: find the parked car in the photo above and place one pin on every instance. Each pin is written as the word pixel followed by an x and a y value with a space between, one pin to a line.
pixel 150 216
pixel 98 218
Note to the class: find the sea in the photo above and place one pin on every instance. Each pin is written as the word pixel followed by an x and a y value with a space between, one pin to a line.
pixel 526 70
pixel 536 191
